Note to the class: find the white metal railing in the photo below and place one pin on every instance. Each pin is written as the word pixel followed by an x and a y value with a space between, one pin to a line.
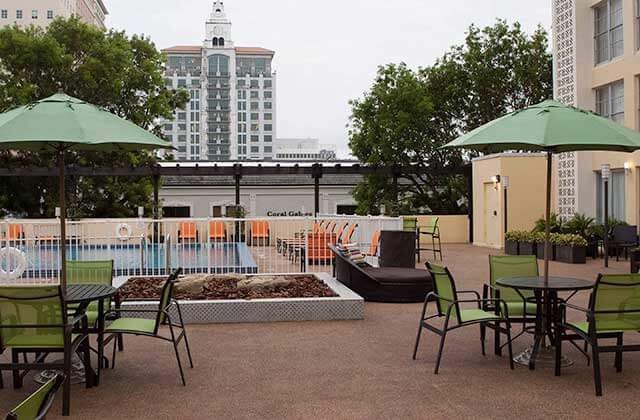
pixel 29 249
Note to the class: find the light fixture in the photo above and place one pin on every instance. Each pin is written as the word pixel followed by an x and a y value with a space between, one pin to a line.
pixel 605 171
pixel 627 167
pixel 504 181
pixel 496 180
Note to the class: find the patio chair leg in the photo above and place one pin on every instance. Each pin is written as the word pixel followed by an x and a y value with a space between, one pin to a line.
pixel 66 386
pixel 184 334
pixel 88 373
pixel 177 351
pixel 497 349
pixel 444 335
pixel 17 380
pixel 558 354
pixel 483 333
pixel 120 342
pixel 415 347
pixel 509 347
pixel 596 368
pixel 113 356
pixel 618 360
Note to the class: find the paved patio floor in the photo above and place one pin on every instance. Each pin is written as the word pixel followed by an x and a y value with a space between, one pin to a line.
pixel 352 370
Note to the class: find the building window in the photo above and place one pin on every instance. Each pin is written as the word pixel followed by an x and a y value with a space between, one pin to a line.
pixel 216 211
pixel 610 101
pixel 268 105
pixel 255 138
pixel 346 209
pixel 268 116
pixel 49 14
pixel 268 94
pixel 242 106
pixel 255 149
pixel 268 138
pixel 254 106
pixel 4 13
pixel 176 211
pixel 168 127
pixel 182 83
pixel 255 94
pixel 254 84
pixel 221 42
pixel 18 14
pixel 255 127
pixel 268 84
pixel 616 196
pixel 255 116
pixel 268 127
pixel 268 149
pixel 34 14
pixel 182 116
pixel 608 36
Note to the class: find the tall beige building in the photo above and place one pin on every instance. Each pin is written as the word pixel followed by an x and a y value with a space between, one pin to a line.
pixel 597 67
pixel 42 12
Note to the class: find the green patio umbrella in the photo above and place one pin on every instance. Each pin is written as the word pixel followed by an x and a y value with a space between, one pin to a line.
pixel 60 123
pixel 551 127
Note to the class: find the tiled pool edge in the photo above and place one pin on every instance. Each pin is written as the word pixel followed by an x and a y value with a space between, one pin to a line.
pixel 347 306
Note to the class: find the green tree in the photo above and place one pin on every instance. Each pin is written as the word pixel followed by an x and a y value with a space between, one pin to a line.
pixel 124 75
pixel 408 115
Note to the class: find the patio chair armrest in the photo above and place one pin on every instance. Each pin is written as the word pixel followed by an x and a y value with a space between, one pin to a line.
pixel 77 318
pixel 576 307
pixel 471 292
pixel 154 311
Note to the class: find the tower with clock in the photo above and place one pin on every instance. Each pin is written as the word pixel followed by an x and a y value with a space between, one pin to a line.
pixel 218 28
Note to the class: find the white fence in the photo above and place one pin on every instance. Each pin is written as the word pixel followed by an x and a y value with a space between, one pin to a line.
pixel 30 249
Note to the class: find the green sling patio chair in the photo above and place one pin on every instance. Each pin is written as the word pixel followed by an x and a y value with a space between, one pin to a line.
pixel 614 309
pixel 33 319
pixel 37 405
pixel 431 230
pixel 449 306
pixel 151 327
pixel 91 272
pixel 520 310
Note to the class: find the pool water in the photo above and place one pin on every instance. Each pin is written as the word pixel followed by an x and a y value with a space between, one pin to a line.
pixel 146 259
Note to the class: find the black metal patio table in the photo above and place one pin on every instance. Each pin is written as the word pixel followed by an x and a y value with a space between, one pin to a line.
pixel 83 295
pixel 547 312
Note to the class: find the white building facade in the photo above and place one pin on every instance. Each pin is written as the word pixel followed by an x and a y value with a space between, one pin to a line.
pixel 42 12
pixel 231 114
pixel 303 149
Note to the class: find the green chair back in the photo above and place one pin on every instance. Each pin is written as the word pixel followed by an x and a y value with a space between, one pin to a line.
pixel 616 302
pixel 431 227
pixel 445 287
pixel 36 405
pixel 165 298
pixel 409 224
pixel 91 272
pixel 502 266
pixel 39 309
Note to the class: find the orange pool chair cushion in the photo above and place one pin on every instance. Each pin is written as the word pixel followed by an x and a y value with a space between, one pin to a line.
pixel 15 232
pixel 217 231
pixel 188 231
pixel 375 240
pixel 259 229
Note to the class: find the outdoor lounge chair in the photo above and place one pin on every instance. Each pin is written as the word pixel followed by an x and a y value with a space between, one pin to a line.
pixel 37 405
pixel 614 309
pixel 217 231
pixel 188 232
pixel 151 327
pixel 15 231
pixel 33 319
pixel 623 238
pixel 502 266
pixel 449 306
pixel 259 232
pixel 375 242
pixel 348 235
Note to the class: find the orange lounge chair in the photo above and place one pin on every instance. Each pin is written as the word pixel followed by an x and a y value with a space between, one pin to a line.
pixel 375 241
pixel 187 232
pixel 340 230
pixel 259 231
pixel 346 238
pixel 15 233
pixel 217 231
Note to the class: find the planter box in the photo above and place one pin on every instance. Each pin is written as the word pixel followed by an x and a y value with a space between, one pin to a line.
pixel 571 254
pixel 346 306
pixel 634 257
pixel 540 251
pixel 527 248
pixel 511 248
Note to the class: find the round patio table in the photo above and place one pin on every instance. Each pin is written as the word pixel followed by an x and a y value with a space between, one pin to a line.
pixel 547 312
pixel 83 295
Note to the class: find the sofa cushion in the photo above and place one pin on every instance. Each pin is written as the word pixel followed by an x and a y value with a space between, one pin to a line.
pixel 390 275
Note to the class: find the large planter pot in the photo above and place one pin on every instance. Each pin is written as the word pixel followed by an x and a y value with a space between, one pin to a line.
pixel 540 251
pixel 511 247
pixel 527 248
pixel 571 254
pixel 634 257
pixel 592 249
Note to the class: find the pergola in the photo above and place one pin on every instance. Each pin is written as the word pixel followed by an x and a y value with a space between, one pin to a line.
pixel 239 169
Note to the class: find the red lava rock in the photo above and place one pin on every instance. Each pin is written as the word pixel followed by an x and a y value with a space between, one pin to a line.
pixel 220 288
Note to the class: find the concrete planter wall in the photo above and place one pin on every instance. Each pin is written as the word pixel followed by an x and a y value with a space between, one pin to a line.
pixel 346 306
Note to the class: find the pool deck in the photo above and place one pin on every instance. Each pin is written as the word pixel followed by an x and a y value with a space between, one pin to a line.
pixel 352 370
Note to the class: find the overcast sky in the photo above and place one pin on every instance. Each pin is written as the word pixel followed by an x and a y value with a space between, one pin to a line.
pixel 327 51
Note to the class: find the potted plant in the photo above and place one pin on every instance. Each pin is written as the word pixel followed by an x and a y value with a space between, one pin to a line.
pixel 539 238
pixel 571 248
pixel 512 242
pixel 527 244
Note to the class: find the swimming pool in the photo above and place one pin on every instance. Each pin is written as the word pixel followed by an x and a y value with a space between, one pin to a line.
pixel 150 259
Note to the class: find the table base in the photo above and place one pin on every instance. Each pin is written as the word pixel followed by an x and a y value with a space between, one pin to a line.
pixel 77 372
pixel 546 358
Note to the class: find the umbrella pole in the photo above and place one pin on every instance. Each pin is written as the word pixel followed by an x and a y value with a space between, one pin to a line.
pixel 63 223
pixel 547 229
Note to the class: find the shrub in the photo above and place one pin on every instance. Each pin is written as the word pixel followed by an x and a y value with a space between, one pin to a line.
pixel 579 224
pixel 516 235
pixel 569 239
pixel 555 224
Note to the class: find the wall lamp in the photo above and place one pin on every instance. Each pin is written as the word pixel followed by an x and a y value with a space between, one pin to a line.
pixel 627 167
pixel 496 180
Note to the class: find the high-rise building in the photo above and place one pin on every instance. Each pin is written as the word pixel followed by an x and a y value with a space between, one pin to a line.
pixel 42 12
pixel 231 114
pixel 596 45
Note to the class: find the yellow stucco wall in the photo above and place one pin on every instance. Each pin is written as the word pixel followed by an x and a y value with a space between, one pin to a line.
pixel 525 195
pixel 454 229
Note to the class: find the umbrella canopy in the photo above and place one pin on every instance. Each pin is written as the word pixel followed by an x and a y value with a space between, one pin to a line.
pixel 552 127
pixel 60 123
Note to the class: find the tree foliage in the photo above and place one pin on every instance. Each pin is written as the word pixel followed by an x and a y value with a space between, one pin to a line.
pixel 408 115
pixel 122 74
